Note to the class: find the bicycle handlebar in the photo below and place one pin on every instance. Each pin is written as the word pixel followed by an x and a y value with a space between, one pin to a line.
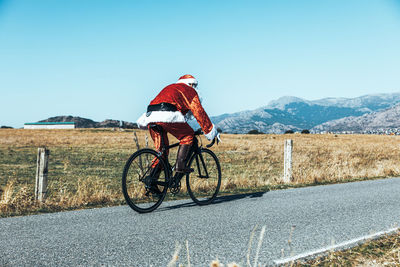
pixel 211 144
pixel 200 132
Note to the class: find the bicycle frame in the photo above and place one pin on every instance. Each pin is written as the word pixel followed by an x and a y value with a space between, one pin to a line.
pixel 194 150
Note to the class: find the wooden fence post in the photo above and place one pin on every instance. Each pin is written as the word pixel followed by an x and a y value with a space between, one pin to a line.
pixel 135 138
pixel 287 175
pixel 146 139
pixel 41 174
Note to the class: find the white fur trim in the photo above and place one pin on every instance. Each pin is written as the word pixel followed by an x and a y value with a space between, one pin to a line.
pixel 141 122
pixel 187 81
pixel 212 134
pixel 160 116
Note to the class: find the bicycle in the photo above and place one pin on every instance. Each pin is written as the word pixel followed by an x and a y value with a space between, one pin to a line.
pixel 148 175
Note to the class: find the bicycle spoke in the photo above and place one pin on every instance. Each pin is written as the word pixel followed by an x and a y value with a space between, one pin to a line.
pixel 147 159
pixel 141 168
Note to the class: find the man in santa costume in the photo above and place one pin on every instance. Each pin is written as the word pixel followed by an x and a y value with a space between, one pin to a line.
pixel 171 109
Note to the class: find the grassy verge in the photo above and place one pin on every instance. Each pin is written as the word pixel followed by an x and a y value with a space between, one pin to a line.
pixel 384 251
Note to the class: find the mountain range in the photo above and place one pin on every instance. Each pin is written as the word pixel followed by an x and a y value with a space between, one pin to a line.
pixel 293 113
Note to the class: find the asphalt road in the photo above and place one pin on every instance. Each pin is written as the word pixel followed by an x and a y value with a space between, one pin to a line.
pixel 118 236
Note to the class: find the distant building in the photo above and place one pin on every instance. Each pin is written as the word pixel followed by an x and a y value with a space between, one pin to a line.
pixel 50 125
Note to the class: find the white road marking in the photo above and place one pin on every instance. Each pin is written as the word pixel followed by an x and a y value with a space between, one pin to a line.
pixel 335 247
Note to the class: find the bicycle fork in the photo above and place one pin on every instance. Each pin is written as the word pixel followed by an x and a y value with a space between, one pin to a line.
pixel 199 155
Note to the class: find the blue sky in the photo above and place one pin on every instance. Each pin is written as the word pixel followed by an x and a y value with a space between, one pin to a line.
pixel 107 59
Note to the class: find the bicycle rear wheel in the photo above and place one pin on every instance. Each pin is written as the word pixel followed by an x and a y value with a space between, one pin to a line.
pixel 203 184
pixel 143 186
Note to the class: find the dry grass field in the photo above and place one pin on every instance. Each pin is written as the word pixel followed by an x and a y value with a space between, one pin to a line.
pixel 86 165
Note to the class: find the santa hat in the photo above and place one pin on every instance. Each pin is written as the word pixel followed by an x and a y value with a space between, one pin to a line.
pixel 187 79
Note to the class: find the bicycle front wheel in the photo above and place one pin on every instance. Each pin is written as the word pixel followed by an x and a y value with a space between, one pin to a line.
pixel 203 184
pixel 145 180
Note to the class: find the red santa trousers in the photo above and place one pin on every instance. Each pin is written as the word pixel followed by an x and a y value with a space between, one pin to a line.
pixel 182 131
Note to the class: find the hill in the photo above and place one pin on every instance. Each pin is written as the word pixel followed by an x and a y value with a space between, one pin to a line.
pixel 88 123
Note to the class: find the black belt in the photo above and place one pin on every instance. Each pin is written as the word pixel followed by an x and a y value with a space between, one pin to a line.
pixel 160 107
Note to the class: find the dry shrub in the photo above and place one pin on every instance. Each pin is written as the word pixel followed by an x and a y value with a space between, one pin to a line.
pixel 16 199
pixel 23 199
pixel 7 193
pixel 89 191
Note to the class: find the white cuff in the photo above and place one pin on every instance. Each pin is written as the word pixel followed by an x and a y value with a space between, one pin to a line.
pixel 212 134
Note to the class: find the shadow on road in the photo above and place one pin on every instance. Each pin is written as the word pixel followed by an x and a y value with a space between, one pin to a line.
pixel 218 200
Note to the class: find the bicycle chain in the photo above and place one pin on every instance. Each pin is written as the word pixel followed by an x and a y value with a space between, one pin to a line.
pixel 175 187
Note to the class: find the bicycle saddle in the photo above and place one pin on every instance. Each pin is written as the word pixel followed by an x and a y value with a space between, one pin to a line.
pixel 156 127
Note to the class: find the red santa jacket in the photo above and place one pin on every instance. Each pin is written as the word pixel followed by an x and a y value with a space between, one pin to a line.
pixel 185 102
